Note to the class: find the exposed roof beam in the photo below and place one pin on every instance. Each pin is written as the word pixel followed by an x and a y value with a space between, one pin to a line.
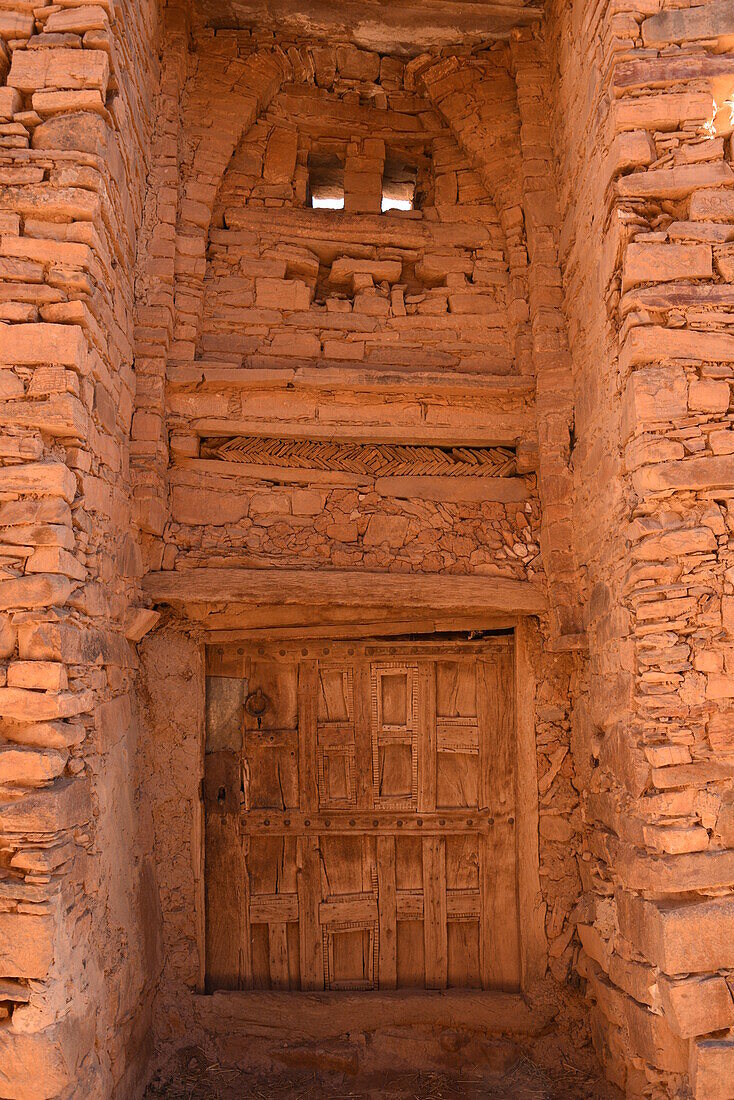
pixel 390 26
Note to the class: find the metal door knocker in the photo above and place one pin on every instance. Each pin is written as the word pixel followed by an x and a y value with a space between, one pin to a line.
pixel 256 704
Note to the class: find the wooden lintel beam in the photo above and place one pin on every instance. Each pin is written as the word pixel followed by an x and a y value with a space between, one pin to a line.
pixel 418 384
pixel 201 589
pixel 498 429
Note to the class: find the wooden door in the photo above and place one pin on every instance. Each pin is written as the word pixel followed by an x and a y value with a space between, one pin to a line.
pixel 360 804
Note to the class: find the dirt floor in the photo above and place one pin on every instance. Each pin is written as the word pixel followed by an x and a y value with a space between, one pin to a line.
pixel 526 1081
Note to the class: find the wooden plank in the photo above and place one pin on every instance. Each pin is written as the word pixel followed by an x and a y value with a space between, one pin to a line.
pixel 212 374
pixel 309 897
pixel 460 736
pixel 318 1016
pixel 198 845
pixel 325 227
pixel 502 772
pixel 275 619
pixel 348 909
pixel 487 687
pixel 228 959
pixel 434 912
pixel 225 697
pixel 409 906
pixel 335 737
pixel 308 588
pixel 463 950
pixel 228 956
pixel 426 737
pixel 387 912
pixel 279 475
pixel 362 736
pixel 508 490
pixel 229 659
pixel 377 628
pixel 273 908
pixel 462 904
pixel 499 429
pixel 307 735
pixel 350 822
pixel 533 943
pixel 278 948
pixel 499 946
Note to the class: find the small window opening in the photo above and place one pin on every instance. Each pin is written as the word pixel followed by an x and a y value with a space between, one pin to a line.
pixel 327 202
pixel 325 182
pixel 398 185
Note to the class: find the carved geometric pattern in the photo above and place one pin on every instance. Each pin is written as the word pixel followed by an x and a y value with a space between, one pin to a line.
pixel 335 928
pixel 388 735
pixel 331 757
pixel 375 459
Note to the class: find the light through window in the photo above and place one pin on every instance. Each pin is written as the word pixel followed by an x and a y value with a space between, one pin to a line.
pixel 399 180
pixel 326 180
pixel 389 202
pixel 327 202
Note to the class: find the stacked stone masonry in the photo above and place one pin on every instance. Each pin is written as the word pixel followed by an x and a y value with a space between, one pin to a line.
pixel 559 290
pixel 644 150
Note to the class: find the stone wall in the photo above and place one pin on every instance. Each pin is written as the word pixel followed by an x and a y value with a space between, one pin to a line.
pixel 78 898
pixel 643 140
pixel 562 296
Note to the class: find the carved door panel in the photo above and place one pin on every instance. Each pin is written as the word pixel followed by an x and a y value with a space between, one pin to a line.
pixel 375 818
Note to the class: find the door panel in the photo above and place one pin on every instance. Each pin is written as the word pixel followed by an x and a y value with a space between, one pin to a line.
pixel 374 829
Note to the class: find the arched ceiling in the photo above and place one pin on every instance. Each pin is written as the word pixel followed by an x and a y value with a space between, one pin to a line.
pixel 406 27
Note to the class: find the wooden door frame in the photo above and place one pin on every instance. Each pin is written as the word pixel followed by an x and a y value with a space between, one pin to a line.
pixel 531 907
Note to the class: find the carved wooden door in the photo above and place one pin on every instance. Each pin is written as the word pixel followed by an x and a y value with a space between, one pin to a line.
pixel 360 817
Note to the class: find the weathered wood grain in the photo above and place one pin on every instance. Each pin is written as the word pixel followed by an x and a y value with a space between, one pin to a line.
pixel 533 943
pixel 309 896
pixel 434 912
pixel 387 912
pixel 325 1015
pixel 198 589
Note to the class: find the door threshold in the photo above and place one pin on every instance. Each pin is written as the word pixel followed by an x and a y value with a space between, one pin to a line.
pixel 291 1016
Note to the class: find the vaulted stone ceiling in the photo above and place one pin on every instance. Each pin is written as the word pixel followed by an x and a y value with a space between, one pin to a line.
pixel 401 26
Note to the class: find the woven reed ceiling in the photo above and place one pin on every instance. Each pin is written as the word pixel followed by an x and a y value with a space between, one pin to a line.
pixel 400 26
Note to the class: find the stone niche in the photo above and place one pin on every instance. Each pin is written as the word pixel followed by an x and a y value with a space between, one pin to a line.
pixel 382 250
pixel 368 796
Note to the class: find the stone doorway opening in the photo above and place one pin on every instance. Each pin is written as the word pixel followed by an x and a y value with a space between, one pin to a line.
pixel 343 927
pixel 368 891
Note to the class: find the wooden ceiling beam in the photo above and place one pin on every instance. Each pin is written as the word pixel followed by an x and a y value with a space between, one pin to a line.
pixel 405 27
